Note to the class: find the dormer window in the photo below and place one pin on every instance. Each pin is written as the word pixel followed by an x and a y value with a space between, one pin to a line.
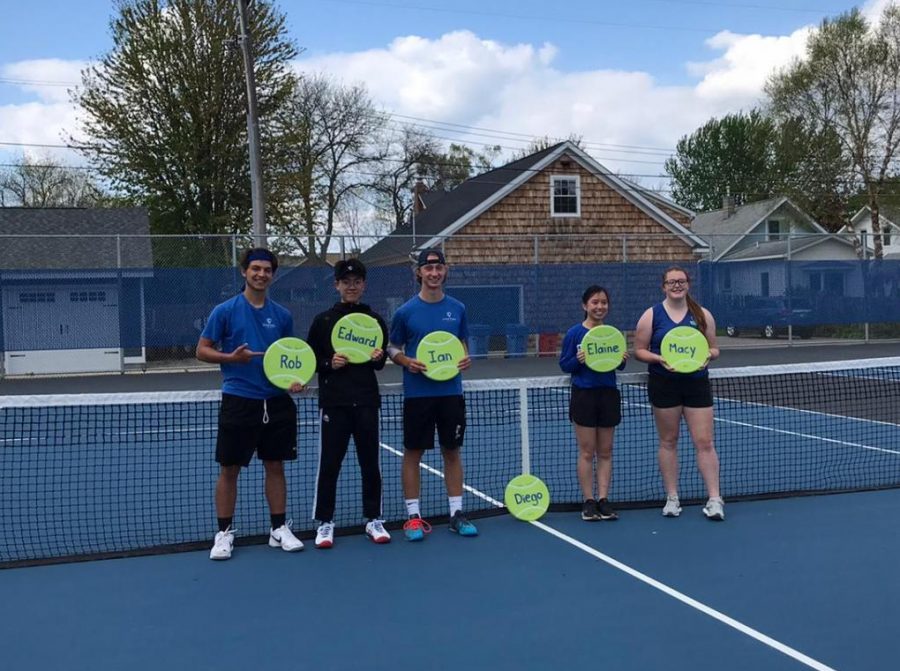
pixel 565 196
pixel 773 230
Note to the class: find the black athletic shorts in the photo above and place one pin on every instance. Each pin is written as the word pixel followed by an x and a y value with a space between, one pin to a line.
pixel 247 425
pixel 422 416
pixel 595 407
pixel 670 392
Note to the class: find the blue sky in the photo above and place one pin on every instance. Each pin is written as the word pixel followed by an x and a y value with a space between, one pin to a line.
pixel 638 73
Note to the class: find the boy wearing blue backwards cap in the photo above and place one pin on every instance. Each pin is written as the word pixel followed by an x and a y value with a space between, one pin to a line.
pixel 349 401
pixel 431 405
pixel 255 416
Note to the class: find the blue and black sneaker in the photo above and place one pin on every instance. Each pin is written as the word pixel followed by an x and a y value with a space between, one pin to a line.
pixel 461 525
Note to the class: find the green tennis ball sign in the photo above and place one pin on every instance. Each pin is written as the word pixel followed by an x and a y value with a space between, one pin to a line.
pixel 356 336
pixel 603 347
pixel 441 353
pixel 527 497
pixel 685 349
pixel 289 360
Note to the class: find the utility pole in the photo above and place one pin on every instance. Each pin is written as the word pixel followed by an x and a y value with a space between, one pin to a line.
pixel 257 197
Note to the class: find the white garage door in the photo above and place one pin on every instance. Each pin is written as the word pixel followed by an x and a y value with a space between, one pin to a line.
pixel 56 329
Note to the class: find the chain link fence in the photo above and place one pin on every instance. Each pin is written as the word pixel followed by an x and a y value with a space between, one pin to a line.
pixel 143 300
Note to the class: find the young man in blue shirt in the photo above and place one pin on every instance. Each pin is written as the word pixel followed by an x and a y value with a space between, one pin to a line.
pixel 429 405
pixel 255 416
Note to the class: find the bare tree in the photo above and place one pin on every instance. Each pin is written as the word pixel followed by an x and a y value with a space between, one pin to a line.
pixel 850 82
pixel 40 182
pixel 405 160
pixel 360 223
pixel 414 154
pixel 328 152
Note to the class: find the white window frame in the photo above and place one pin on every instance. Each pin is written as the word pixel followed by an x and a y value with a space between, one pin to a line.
pixel 553 180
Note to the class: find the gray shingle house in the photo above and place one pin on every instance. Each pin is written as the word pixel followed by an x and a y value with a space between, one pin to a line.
pixel 71 288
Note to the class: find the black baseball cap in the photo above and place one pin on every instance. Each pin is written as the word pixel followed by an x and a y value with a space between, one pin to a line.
pixel 427 256
pixel 346 267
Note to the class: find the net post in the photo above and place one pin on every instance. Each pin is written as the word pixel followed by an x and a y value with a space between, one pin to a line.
pixel 523 428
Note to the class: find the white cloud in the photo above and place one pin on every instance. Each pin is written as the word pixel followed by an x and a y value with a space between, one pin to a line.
pixel 747 62
pixel 48 116
pixel 465 79
pixel 873 9
pixel 48 79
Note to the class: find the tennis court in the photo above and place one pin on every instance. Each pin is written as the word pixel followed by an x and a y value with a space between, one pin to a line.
pixel 119 474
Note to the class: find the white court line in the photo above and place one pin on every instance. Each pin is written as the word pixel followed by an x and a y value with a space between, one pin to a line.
pixel 434 471
pixel 806 411
pixel 647 580
pixel 808 436
pixel 693 603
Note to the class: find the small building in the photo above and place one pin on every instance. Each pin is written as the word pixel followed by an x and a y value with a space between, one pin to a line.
pixel 72 288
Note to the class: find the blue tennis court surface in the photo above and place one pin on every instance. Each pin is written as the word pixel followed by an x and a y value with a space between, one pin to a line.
pixel 783 584
pixel 804 582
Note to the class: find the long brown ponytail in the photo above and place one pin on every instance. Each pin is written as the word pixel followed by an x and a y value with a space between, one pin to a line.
pixel 693 306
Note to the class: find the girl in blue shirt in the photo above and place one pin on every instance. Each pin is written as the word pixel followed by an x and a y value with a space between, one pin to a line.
pixel 594 408
pixel 675 395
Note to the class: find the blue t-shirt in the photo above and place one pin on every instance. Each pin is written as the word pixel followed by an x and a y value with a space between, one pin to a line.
pixel 582 376
pixel 413 321
pixel 662 324
pixel 235 322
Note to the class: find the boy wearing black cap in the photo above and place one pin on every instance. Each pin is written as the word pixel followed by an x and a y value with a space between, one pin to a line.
pixel 255 416
pixel 429 405
pixel 348 402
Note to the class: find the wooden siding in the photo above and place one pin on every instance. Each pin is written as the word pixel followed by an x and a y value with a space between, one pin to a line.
pixel 609 227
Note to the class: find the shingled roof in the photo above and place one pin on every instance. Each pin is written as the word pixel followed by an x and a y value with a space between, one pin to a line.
pixel 56 239
pixel 450 206
pixel 466 202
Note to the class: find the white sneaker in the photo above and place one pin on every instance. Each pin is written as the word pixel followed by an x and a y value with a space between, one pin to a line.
pixel 222 545
pixel 325 535
pixel 715 508
pixel 672 507
pixel 284 538
pixel 376 531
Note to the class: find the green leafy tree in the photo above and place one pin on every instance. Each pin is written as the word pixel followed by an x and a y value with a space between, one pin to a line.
pixel 752 156
pixel 164 111
pixel 849 82
pixel 811 168
pixel 734 155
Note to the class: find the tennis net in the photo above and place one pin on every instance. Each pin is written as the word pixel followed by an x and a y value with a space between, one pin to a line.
pixel 98 475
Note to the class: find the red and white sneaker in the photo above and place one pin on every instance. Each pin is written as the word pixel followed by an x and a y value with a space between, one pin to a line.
pixel 325 535
pixel 376 531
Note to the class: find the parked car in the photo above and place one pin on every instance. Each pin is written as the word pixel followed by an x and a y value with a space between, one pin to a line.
pixel 772 316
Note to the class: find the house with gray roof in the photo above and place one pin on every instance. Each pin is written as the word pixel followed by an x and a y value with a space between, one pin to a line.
pixel 72 285
pixel 750 246
pixel 889 222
